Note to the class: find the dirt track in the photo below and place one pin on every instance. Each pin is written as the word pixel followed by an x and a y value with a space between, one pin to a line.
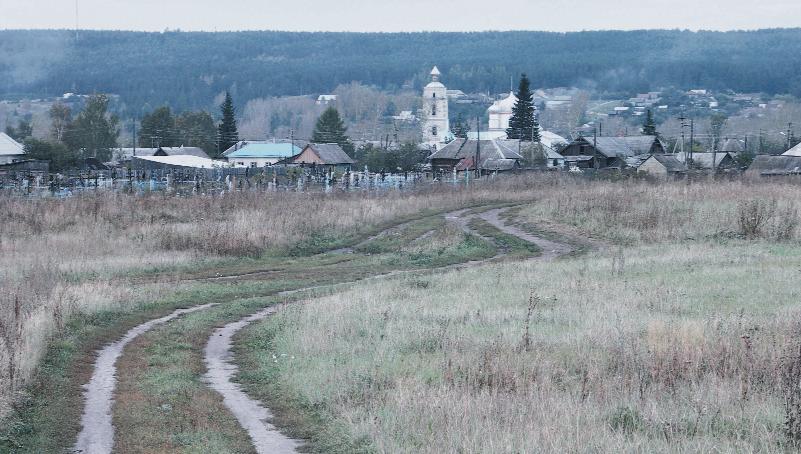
pixel 251 413
pixel 97 434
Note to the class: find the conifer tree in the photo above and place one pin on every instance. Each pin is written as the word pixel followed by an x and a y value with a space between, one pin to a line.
pixel 649 127
pixel 522 121
pixel 535 131
pixel 460 127
pixel 227 133
pixel 330 128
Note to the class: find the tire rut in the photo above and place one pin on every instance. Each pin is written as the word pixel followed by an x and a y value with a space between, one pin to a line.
pixel 97 431
pixel 251 413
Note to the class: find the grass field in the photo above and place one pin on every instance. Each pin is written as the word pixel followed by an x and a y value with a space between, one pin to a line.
pixel 658 348
pixel 672 326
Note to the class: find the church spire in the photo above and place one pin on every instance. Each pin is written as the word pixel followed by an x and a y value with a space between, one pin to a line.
pixel 435 74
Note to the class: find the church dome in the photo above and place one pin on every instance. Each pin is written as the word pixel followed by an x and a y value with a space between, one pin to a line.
pixel 504 105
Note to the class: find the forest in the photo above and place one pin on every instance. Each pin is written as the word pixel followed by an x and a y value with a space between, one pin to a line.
pixel 187 70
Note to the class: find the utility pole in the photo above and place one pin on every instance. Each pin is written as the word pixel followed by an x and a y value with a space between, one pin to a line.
pixel 76 21
pixel 789 135
pixel 134 136
pixel 692 138
pixel 477 161
pixel 682 119
pixel 761 142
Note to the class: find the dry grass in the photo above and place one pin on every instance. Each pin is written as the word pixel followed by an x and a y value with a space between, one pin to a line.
pixel 667 348
pixel 63 257
pixel 632 213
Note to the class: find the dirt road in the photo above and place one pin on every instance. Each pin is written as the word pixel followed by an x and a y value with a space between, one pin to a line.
pixel 97 433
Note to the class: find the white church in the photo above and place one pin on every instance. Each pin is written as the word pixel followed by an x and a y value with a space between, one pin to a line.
pixel 436 127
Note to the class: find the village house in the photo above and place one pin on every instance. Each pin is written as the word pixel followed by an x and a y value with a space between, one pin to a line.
pixel 662 165
pixel 609 152
pixel 491 155
pixel 773 166
pixel 704 161
pixel 10 149
pixel 125 154
pixel 177 162
pixel 789 163
pixel 329 156
pixel 260 154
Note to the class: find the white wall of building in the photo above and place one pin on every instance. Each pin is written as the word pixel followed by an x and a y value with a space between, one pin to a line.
pixel 435 108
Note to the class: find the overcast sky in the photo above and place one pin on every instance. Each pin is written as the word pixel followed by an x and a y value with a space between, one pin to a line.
pixel 400 15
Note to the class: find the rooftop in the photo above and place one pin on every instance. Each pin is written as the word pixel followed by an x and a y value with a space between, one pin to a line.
pixel 265 150
pixel 9 146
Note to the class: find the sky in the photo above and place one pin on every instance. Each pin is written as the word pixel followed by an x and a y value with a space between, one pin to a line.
pixel 400 15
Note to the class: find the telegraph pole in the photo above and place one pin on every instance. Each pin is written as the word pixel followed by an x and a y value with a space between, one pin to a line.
pixel 682 119
pixel 478 147
pixel 692 138
pixel 134 136
pixel 789 135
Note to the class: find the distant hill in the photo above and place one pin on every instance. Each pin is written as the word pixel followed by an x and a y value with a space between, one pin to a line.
pixel 187 70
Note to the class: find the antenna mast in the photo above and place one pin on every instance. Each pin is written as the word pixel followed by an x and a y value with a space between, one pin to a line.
pixel 76 21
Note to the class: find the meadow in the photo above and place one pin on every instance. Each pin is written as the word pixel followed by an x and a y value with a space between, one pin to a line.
pixel 677 310
pixel 680 331
pixel 76 257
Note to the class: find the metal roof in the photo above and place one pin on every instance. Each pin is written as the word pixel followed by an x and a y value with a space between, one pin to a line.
pixel 185 161
pixel 775 165
pixel 331 153
pixel 9 146
pixel 126 153
pixel 266 150
pixel 628 146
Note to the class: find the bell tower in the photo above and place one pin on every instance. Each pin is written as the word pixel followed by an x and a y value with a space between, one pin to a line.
pixel 435 109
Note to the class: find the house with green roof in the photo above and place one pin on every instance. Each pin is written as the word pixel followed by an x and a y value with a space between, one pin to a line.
pixel 260 154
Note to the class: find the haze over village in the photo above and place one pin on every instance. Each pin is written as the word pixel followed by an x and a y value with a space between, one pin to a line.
pixel 429 227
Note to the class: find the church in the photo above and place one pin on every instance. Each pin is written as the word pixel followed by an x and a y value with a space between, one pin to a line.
pixel 436 126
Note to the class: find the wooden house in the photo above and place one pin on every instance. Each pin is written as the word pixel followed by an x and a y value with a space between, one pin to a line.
pixel 609 152
pixel 329 156
pixel 662 165
pixel 496 155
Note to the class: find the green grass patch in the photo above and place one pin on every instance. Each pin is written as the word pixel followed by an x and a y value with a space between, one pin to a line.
pixel 513 246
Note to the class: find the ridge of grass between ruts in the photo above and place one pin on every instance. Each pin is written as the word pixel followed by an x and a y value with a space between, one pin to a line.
pixel 39 424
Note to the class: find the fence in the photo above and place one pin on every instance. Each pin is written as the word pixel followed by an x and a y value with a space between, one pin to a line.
pixel 200 181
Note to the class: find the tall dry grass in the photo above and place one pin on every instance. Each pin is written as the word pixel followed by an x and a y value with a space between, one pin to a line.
pixel 677 348
pixel 635 212
pixel 59 258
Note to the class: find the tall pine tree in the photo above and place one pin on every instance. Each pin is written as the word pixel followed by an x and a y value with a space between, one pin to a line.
pixel 649 127
pixel 330 128
pixel 227 133
pixel 522 122
pixel 535 131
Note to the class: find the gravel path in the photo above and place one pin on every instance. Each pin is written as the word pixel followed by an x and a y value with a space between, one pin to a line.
pixel 97 431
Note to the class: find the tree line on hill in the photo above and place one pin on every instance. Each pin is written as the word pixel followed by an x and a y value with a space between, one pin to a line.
pixel 186 70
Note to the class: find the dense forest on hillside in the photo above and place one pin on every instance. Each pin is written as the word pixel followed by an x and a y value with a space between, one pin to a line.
pixel 188 69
